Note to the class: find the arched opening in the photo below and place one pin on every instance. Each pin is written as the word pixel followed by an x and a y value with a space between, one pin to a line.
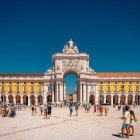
pixel 122 100
pixel 10 98
pixel 130 99
pixel 3 98
pixel 115 99
pixel 137 99
pixel 49 99
pixel 108 99
pixel 18 99
pixel 25 99
pixel 101 99
pixel 92 99
pixel 70 88
pixel 40 99
pixel 32 100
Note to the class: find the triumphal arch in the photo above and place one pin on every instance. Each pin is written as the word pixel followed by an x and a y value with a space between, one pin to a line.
pixel 95 88
pixel 70 61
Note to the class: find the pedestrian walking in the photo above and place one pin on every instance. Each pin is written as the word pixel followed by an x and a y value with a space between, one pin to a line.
pixel 106 110
pixel 101 109
pixel 41 109
pixel 133 119
pixel 76 109
pixel 87 107
pixel 45 112
pixel 49 110
pixel 126 122
pixel 71 109
pixel 33 110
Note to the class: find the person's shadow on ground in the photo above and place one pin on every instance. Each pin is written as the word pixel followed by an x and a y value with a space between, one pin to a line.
pixel 117 135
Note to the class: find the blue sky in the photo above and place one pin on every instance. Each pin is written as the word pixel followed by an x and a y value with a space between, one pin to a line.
pixel 31 31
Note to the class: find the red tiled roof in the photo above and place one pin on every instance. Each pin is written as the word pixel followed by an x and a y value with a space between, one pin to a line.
pixel 20 74
pixel 127 74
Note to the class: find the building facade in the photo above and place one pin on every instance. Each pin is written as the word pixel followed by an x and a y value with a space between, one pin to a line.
pixel 93 87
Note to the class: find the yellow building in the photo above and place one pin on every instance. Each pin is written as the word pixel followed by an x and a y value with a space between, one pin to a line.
pixel 93 87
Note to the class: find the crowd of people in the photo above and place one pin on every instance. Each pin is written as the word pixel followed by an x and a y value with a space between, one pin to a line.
pixel 7 110
pixel 44 109
pixel 128 115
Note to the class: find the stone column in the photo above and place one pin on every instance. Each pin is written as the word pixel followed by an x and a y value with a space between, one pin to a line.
pixel 80 93
pixel 61 92
pixel 87 93
pixel 133 98
pixel 45 94
pixel 64 94
pixel 29 101
pixel 96 95
pixel 21 97
pixel 56 92
pixel 119 98
pixel 84 93
pixel 111 99
pixel 104 98
pixel 52 92
pixel 36 103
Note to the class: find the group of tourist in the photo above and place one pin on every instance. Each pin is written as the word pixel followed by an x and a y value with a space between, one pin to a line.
pixel 129 120
pixel 46 109
pixel 73 106
pixel 102 109
pixel 7 110
pixel 87 107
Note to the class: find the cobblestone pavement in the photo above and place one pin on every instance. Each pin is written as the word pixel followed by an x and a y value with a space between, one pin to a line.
pixel 87 126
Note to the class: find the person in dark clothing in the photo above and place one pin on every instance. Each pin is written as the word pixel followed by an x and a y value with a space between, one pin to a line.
pixel 49 110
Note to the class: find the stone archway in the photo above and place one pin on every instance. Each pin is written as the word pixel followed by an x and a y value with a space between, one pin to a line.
pixel 18 99
pixel 130 99
pixel 92 99
pixel 137 99
pixel 49 99
pixel 39 99
pixel 70 60
pixel 32 99
pixel 122 99
pixel 108 99
pixel 25 99
pixel 101 99
pixel 115 99
pixel 71 85
pixel 10 98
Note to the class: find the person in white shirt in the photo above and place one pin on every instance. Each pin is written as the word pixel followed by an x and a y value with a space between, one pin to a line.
pixel 126 121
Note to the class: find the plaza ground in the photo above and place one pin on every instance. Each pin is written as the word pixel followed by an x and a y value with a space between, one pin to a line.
pixel 87 126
